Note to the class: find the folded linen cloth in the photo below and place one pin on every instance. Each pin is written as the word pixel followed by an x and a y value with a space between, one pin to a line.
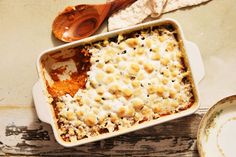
pixel 141 9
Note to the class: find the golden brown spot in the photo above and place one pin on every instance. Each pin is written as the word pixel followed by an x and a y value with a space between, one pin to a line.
pixel 135 83
pixel 140 51
pixel 132 42
pixel 148 43
pixel 127 92
pixel 148 67
pixel 70 115
pixel 160 90
pixel 165 61
pixel 170 46
pixel 79 114
pixel 137 104
pixel 151 89
pixel 121 112
pixel 156 56
pixel 90 120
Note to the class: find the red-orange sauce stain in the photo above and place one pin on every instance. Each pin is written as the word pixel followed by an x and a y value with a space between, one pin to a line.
pixel 71 86
pixel 55 72
pixel 77 79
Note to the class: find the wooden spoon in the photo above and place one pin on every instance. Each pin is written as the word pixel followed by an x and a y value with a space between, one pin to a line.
pixel 83 20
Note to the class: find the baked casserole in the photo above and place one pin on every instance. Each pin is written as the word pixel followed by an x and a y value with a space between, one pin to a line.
pixel 119 82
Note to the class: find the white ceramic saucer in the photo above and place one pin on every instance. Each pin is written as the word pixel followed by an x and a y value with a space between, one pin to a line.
pixel 217 130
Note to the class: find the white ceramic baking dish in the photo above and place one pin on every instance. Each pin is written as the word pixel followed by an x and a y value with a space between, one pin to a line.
pixel 45 110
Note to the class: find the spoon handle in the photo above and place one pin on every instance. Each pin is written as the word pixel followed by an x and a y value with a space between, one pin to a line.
pixel 119 4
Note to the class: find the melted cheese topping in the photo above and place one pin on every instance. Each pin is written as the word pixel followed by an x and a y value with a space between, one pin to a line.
pixel 135 80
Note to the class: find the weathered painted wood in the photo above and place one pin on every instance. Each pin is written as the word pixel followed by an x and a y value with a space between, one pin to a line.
pixel 24 134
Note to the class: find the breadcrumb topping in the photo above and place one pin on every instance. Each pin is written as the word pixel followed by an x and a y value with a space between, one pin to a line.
pixel 138 78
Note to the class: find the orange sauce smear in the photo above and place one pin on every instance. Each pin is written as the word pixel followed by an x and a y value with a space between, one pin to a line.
pixel 60 88
pixel 77 79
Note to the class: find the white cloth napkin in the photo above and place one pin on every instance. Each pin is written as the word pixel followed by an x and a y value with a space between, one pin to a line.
pixel 141 9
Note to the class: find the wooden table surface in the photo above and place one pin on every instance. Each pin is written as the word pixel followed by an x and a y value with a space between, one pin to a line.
pixel 26 31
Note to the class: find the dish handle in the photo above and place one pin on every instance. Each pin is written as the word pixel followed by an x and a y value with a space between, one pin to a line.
pixel 195 61
pixel 41 104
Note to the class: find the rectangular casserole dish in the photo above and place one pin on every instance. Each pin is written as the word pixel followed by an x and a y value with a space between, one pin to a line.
pixel 46 62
